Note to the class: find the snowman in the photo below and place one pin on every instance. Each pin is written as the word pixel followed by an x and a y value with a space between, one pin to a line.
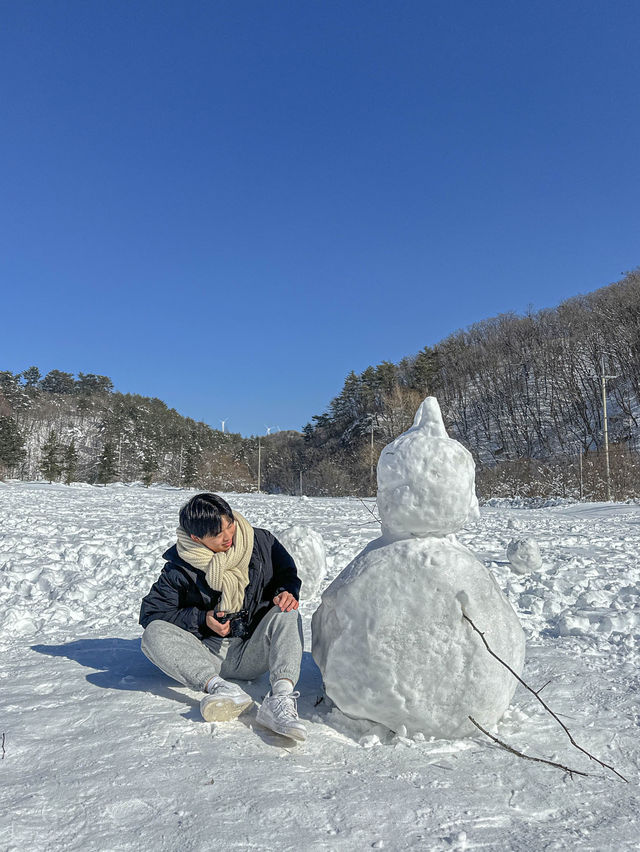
pixel 390 636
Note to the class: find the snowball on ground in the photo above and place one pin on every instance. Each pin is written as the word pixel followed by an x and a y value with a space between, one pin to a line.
pixel 524 555
pixel 393 646
pixel 307 548
pixel 426 480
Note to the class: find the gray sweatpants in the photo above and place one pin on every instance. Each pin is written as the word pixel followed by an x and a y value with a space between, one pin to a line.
pixel 274 646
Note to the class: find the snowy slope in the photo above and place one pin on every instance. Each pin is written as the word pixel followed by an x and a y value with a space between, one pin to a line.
pixel 102 752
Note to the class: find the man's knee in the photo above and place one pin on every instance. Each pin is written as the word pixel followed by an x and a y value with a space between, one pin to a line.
pixel 155 632
pixel 275 613
pixel 284 623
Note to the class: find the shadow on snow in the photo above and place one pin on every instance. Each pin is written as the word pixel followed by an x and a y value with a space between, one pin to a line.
pixel 120 664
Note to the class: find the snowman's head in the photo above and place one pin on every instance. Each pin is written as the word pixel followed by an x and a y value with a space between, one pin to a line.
pixel 426 480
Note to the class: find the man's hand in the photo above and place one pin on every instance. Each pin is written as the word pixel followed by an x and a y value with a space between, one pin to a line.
pixel 222 629
pixel 286 601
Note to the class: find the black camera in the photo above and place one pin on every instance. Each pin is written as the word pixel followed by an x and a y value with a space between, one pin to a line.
pixel 238 621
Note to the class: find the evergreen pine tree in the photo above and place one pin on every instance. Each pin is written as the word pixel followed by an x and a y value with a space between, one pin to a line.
pixel 58 382
pixel 31 377
pixel 11 443
pixel 10 388
pixel 425 370
pixel 50 461
pixel 190 466
pixel 70 462
pixel 149 467
pixel 88 383
pixel 106 464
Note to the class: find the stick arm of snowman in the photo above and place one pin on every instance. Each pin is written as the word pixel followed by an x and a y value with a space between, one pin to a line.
pixel 546 706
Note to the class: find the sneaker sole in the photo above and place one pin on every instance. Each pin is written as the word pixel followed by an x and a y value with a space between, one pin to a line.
pixel 297 735
pixel 224 710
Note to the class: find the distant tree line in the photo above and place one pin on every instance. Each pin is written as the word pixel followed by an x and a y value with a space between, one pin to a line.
pixel 523 393
pixel 63 428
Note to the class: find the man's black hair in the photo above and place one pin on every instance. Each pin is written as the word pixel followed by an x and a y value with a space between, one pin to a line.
pixel 203 515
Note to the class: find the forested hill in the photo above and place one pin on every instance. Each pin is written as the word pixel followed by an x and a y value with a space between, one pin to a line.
pixel 60 427
pixel 523 393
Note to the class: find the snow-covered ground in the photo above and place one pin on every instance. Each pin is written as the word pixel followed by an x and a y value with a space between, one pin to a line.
pixel 103 752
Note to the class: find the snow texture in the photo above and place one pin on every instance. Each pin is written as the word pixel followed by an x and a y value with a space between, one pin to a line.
pixel 104 752
pixel 389 636
pixel 426 480
pixel 308 551
pixel 524 555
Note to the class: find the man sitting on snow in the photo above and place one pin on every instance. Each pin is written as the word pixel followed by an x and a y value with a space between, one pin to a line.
pixel 225 606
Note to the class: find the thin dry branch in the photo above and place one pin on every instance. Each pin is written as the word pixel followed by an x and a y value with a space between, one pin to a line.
pixel 546 706
pixel 3 752
pixel 371 512
pixel 571 772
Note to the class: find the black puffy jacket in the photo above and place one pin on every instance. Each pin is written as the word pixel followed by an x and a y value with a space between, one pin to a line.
pixel 182 596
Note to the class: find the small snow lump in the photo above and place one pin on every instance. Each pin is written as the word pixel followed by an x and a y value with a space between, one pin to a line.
pixel 524 555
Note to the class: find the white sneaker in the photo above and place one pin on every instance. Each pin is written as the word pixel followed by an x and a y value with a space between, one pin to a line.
pixel 279 713
pixel 226 702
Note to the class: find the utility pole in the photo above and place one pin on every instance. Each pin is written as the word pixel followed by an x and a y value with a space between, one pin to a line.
pixel 603 380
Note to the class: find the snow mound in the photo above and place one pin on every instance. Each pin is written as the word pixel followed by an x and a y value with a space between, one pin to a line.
pixel 391 642
pixel 426 480
pixel 528 502
pixel 524 555
pixel 308 550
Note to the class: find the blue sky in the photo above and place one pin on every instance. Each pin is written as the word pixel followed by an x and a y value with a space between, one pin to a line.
pixel 230 205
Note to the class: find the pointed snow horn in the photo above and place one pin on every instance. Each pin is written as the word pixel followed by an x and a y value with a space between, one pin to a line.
pixel 429 419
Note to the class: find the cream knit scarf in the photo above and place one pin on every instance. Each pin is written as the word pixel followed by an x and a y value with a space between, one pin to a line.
pixel 226 572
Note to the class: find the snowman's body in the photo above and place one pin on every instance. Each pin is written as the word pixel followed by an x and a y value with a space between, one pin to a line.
pixel 389 636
